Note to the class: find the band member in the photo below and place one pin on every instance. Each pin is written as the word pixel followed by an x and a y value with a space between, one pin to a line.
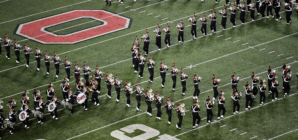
pixel 41 107
pixel 36 99
pixel 158 101
pixel 12 104
pixel 57 102
pixel 127 93
pixel 7 47
pixel 47 60
pixel 148 101
pixel 248 97
pixel 215 83
pixel 65 89
pixel 67 65
pixel 77 71
pixel 56 62
pixel 195 114
pixel 248 5
pixel 209 110
pixel 138 96
pixel 151 65
pixel 1 120
pixel 174 73
pixel 183 78
pixel 167 37
pixel 86 92
pixel 86 71
pixel 262 88
pixel 17 51
pixel 224 18
pixel 274 89
pixel 37 57
pixel 263 8
pixel 238 3
pixel 204 25
pixel 94 97
pixel 158 37
pixel 24 100
pixel 12 118
pixel 196 81
pixel 0 45
pixel 270 78
pixel 136 56
pixel 180 117
pixel 135 45
pixel 269 8
pixel 289 9
pixel 109 2
pixel 50 92
pixel 109 85
pixel 98 74
pixel 242 14
pixel 117 85
pixel 287 87
pixel 169 106
pixel 26 121
pixel 221 101
pixel 193 21
pixel 181 32
pixel 277 9
pixel 254 85
pixel 79 86
pixel 27 54
pixel 252 11
pixel 146 42
pixel 235 97
pixel 213 22
pixel 233 15
pixel 71 98
pixel 163 69
pixel 234 82
pixel 141 62
pixel 258 6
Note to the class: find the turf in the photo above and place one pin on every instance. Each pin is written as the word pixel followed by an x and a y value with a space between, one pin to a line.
pixel 221 54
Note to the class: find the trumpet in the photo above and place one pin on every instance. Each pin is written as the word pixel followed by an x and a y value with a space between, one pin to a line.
pixel 160 98
pixel 190 20
pixel 218 80
pixel 155 31
pixel 28 49
pixel 178 26
pixel 10 42
pixel 220 11
pixel 170 105
pixel 19 46
pixel 164 30
pixel 175 70
pixel 210 15
pixel 49 57
pixel 58 58
pixel 119 82
pixel 68 63
pixel 39 52
pixel 140 90
pixel 165 66
pixel 144 36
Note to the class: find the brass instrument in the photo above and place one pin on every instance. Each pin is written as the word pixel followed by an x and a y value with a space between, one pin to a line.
pixel 210 15
pixel 152 62
pixel 178 26
pixel 190 20
pixel 170 105
pixel 182 109
pixel 144 36
pixel 130 88
pixel 39 51
pixel 155 31
pixel 151 96
pixel 1 102
pixel 29 49
pixel 111 78
pixel 160 98
pixel 175 70
pixel 165 67
pixel 10 42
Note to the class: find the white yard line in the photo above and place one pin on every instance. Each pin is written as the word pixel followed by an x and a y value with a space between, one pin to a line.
pixel 4 1
pixel 280 54
pixel 243 133
pixel 127 6
pixel 157 16
pixel 143 11
pixel 228 38
pixel 262 49
pixel 44 12
pixel 283 134
pixel 244 44
pixel 164 18
pixel 231 116
pixel 175 102
pixel 236 41
pixel 254 137
pixel 233 129
pixel 220 36
pixel 149 14
pixel 173 46
pixel 114 2
pixel 290 57
pixel 224 125
pixel 271 52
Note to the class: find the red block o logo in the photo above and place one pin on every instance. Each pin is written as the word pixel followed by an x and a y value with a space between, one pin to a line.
pixel 35 30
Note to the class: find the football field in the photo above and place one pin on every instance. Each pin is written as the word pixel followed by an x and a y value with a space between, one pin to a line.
pixel 242 49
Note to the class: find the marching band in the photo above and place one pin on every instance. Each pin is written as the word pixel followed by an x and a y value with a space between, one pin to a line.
pixel 94 85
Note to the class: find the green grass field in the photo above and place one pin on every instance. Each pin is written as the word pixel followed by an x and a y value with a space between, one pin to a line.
pixel 243 49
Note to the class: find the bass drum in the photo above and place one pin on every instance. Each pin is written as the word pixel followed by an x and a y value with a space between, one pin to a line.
pixel 51 106
pixel 81 98
pixel 23 115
